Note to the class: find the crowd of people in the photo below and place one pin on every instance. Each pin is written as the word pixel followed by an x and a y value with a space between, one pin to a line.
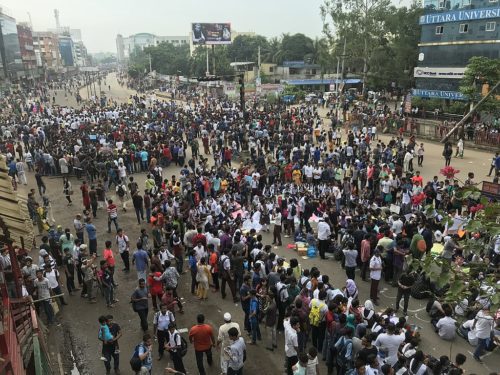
pixel 333 186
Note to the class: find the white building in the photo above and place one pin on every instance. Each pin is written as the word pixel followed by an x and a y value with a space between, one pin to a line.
pixel 125 46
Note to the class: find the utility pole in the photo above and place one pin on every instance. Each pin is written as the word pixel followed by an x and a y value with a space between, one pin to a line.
pixel 258 63
pixel 213 59
pixel 343 59
pixel 207 73
pixel 469 114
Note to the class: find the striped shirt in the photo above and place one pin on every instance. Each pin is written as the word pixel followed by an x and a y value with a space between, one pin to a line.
pixel 112 211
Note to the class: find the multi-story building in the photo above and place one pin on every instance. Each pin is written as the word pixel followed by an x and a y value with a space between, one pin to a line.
pixel 28 56
pixel 11 64
pixel 67 50
pixel 47 52
pixel 453 31
pixel 126 46
pixel 80 54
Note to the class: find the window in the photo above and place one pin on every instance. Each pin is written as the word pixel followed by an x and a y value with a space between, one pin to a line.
pixel 442 4
pixel 439 30
pixel 271 69
pixel 464 27
pixel 465 3
pixel 490 26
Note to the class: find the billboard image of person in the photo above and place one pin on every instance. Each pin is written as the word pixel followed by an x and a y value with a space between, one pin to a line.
pixel 211 33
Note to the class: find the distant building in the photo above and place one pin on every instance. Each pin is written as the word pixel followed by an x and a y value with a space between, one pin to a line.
pixel 453 31
pixel 125 46
pixel 11 63
pixel 27 49
pixel 66 49
pixel 80 54
pixel 47 52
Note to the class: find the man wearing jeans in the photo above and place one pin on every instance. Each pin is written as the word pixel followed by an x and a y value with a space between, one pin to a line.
pixel 483 325
pixel 202 337
pixel 42 287
pixel 139 301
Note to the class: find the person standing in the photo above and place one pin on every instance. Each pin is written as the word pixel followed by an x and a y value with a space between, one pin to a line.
pixel 270 311
pixel 161 322
pixel 173 346
pixel 21 173
pixel 405 283
pixel 123 248
pixel 365 255
pixel 224 341
pixel 253 317
pixel 375 274
pixel 324 233
pixel 110 348
pixel 42 292
pixel 277 228
pixel 202 337
pixel 67 190
pixel 350 254
pixel 236 353
pixel 69 270
pixel 291 343
pixel 138 203
pixel 39 182
pixel 139 300
pixel 144 353
pixel 483 326
pixel 420 154
pixel 92 235
pixel 140 259
pixel 245 301
pixel 493 164
pixel 112 215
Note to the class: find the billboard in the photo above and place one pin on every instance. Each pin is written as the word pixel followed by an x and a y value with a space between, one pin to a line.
pixel 448 73
pixel 211 33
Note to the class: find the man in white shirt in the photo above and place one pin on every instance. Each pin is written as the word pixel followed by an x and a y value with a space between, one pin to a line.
pixel 324 233
pixel 375 274
pixel 483 325
pixel 292 326
pixel 390 341
pixel 53 276
pixel 224 341
pixel 446 327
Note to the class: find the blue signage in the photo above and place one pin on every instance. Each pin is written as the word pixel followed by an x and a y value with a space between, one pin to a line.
pixel 460 15
pixel 453 95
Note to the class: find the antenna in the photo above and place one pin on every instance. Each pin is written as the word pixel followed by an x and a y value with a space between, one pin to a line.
pixel 56 15
pixel 31 22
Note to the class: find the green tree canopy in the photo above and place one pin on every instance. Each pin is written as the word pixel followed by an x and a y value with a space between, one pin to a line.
pixel 479 71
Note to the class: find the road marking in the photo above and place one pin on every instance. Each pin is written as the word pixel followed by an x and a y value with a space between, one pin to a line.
pixel 422 320
pixel 182 330
pixel 417 310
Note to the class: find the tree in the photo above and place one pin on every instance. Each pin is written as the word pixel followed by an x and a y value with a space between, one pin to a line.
pixel 481 70
pixel 245 48
pixel 381 40
pixel 295 47
pixel 198 62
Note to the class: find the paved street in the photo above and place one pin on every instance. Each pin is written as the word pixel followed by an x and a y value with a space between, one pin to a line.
pixel 81 317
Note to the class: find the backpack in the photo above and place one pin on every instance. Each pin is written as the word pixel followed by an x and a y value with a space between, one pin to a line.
pixel 120 191
pixel 184 346
pixel 315 313
pixel 135 355
pixel 341 359
pixel 279 295
pixel 294 210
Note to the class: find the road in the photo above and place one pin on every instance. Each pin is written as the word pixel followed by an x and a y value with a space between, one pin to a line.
pixel 79 319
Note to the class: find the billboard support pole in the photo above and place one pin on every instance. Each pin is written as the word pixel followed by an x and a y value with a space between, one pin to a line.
pixel 207 73
pixel 213 59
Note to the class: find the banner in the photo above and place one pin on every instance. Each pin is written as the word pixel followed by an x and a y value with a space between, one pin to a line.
pixel 448 73
pixel 453 95
pixel 460 15
pixel 211 33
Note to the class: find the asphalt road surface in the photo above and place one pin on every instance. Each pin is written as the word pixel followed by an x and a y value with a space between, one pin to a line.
pixel 80 317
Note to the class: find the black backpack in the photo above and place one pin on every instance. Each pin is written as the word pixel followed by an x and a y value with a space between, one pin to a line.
pixel 120 191
pixel 184 346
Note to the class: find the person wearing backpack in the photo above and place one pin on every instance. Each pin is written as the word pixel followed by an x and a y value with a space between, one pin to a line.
pixel 344 352
pixel 161 323
pixel 121 192
pixel 177 347
pixel 142 359
pixel 318 310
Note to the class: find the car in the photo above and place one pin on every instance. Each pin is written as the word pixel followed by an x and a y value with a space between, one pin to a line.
pixel 311 97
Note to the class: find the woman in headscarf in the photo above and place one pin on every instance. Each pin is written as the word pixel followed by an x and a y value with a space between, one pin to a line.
pixel 368 313
pixel 350 290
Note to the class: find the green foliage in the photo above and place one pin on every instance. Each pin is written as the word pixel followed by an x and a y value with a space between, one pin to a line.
pixel 382 35
pixel 481 70
pixel 462 281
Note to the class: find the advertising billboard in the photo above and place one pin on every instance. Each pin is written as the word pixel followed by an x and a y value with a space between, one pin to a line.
pixel 211 33
pixel 448 73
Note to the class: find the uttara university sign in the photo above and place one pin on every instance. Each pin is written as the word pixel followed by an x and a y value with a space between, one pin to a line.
pixel 460 15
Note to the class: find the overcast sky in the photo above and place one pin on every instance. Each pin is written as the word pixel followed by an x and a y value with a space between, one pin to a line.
pixel 101 20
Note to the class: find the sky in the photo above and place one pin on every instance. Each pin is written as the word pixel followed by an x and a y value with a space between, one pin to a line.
pixel 101 20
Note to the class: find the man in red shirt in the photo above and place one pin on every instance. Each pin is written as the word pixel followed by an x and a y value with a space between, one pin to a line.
pixel 202 337
pixel 417 179
pixel 199 237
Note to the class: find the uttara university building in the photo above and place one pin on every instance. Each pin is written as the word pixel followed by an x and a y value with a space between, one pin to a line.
pixel 453 31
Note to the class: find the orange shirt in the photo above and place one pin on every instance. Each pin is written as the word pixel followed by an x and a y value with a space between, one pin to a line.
pixel 201 336
pixel 109 257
